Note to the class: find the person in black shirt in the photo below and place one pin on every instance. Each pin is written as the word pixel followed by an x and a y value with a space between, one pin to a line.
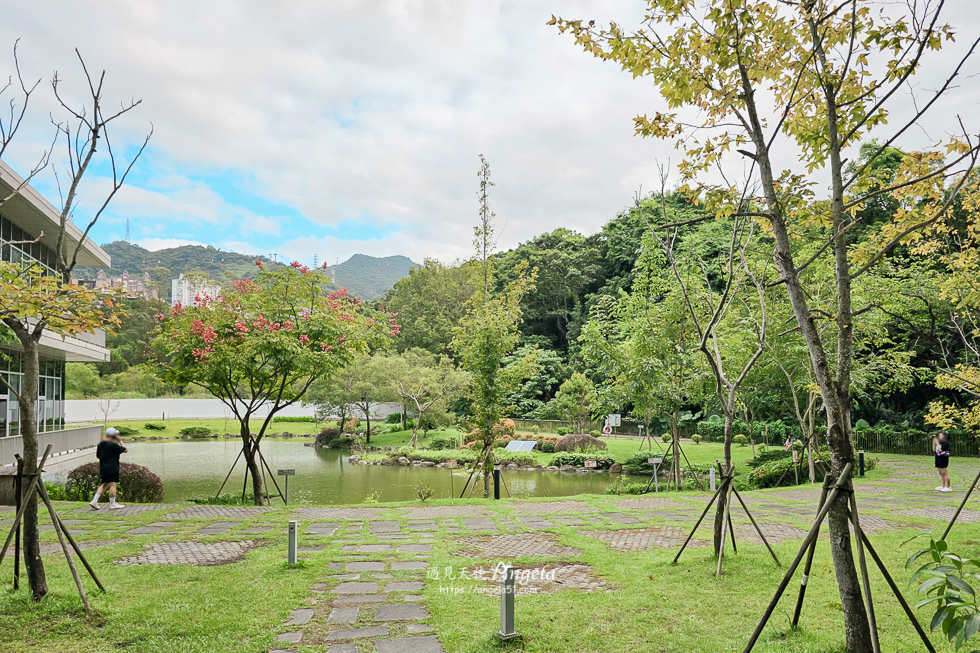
pixel 108 452
pixel 940 446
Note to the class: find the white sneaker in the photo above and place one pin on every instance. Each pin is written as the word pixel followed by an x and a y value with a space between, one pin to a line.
pixel 947 489
pixel 940 489
pixel 94 506
pixel 116 506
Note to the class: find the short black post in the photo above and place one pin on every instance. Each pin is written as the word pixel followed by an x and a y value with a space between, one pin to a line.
pixel 861 463
pixel 496 481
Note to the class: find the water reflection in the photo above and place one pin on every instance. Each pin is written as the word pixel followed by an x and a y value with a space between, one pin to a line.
pixel 323 476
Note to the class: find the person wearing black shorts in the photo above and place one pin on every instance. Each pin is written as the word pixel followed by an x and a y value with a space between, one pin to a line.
pixel 940 446
pixel 108 452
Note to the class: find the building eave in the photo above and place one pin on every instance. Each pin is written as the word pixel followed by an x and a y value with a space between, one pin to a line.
pixel 30 211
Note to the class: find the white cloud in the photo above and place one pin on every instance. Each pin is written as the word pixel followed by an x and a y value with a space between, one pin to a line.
pixel 355 108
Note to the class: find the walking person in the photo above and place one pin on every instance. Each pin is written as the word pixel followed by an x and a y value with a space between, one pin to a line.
pixel 940 446
pixel 108 452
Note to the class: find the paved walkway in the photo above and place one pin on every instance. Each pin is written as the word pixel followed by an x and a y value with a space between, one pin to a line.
pixel 372 562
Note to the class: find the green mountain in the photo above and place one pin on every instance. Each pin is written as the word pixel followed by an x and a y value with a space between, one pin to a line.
pixel 364 276
pixel 370 278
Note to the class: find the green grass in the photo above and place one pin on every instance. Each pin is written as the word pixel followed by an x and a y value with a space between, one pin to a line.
pixel 650 604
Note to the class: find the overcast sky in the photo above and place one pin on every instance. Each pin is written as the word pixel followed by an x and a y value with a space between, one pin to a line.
pixel 342 127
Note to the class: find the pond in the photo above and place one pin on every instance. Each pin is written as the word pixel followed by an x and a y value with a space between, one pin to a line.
pixel 191 469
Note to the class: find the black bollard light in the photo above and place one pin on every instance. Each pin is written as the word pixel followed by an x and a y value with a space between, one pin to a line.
pixel 861 463
pixel 496 481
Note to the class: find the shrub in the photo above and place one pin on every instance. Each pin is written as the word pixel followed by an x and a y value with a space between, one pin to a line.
pixel 580 442
pixel 126 430
pixel 696 439
pixel 350 426
pixel 56 491
pixel 637 463
pixel 343 442
pixel 603 461
pixel 462 456
pixel 394 428
pixel 439 444
pixel 595 433
pixel 740 440
pixel 621 486
pixel 768 456
pixel 535 430
pixel 666 437
pixel 137 484
pixel 861 424
pixel 224 500
pixel 196 431
pixel 410 424
pixel 294 418
pixel 424 491
pixel 562 431
pixel 502 428
pixel 326 436
pixel 762 448
pixel 155 426
pixel 393 418
pixel 769 474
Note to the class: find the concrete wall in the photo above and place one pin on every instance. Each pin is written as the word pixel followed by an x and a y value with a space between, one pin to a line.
pixel 91 410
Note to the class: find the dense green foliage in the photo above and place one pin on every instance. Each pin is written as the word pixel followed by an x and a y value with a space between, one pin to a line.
pixel 137 484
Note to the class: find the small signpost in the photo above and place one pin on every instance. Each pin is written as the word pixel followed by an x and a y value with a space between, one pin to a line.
pixel 590 464
pixel 451 465
pixel 287 473
pixel 656 462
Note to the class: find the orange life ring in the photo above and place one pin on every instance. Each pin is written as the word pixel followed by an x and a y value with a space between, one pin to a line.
pixel 607 430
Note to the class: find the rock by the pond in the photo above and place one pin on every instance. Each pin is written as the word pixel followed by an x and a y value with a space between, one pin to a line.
pixel 567 468
pixel 616 468
pixel 404 461
pixel 552 468
pixel 428 463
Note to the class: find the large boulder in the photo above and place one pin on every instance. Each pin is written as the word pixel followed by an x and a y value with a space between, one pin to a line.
pixel 404 461
pixel 616 469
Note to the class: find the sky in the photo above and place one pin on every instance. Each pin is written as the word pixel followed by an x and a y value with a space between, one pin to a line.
pixel 307 128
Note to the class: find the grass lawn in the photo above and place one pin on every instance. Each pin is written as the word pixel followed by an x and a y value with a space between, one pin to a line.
pixel 647 604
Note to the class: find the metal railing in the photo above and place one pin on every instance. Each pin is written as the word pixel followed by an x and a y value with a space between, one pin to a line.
pixel 60 441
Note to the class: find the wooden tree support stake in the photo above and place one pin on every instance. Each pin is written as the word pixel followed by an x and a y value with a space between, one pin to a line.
pixel 23 504
pixel 809 557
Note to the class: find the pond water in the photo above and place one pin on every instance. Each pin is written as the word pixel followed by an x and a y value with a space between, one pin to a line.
pixel 191 469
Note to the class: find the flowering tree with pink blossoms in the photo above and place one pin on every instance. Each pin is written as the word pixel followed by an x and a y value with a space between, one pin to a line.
pixel 258 347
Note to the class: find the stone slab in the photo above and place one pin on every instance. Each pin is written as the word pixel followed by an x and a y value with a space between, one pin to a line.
pixel 409 566
pixel 413 548
pixel 356 588
pixel 342 648
pixel 427 644
pixel 401 612
pixel 404 586
pixel 311 549
pixel 356 633
pixel 300 617
pixel 355 598
pixel 377 548
pixel 414 629
pixel 291 638
pixel 343 616
pixel 365 566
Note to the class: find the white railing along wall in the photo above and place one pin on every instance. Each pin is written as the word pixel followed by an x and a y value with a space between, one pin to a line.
pixel 60 441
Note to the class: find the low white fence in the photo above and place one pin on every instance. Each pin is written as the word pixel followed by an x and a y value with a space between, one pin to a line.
pixel 101 410
pixel 61 442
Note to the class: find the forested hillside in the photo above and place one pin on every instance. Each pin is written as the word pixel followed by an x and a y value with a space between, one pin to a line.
pixel 369 277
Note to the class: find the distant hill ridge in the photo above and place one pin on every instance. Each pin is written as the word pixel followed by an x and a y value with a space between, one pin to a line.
pixel 364 276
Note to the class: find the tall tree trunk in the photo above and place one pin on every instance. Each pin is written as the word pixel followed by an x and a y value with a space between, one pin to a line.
pixel 722 502
pixel 676 439
pixel 27 402
pixel 367 416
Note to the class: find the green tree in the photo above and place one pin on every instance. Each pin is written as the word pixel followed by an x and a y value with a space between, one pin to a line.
pixel 577 399
pixel 36 300
pixel 425 382
pixel 262 344
pixel 490 331
pixel 430 302
pixel 827 74
pixel 531 396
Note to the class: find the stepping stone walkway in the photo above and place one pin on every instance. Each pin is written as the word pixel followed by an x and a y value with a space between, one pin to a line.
pixel 641 539
pixel 234 512
pixel 218 527
pixel 152 528
pixel 517 545
pixel 357 616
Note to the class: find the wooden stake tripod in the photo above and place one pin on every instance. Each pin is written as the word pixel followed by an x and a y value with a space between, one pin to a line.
pixel 726 486
pixel 487 451
pixel 828 496
pixel 263 468
pixel 37 487
pixel 673 476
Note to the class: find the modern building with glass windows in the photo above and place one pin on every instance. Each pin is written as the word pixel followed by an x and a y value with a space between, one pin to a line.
pixel 26 217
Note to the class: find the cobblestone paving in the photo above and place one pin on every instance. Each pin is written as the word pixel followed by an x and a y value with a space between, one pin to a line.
pixel 774 533
pixel 233 512
pixel 942 513
pixel 646 503
pixel 129 511
pixel 516 545
pixel 547 578
pixel 641 539
pixel 432 512
pixel 549 507
pixel 191 553
pixel 338 513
